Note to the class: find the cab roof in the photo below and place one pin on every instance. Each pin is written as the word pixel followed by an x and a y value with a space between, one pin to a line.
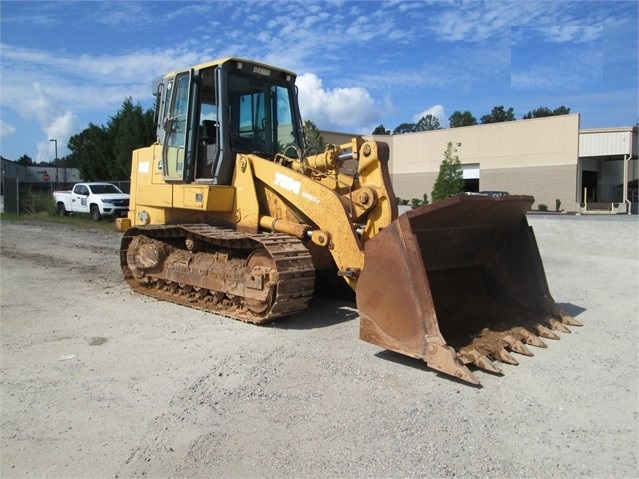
pixel 221 61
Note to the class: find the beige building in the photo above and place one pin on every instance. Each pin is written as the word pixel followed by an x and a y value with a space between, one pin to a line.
pixel 549 158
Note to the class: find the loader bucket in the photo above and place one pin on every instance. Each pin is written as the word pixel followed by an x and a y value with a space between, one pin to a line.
pixel 458 282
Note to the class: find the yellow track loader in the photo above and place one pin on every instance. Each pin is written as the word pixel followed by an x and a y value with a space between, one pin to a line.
pixel 231 213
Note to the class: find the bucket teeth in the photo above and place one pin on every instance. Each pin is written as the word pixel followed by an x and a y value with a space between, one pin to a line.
pixel 444 358
pixel 529 338
pixel 546 333
pixel 517 346
pixel 502 355
pixel 570 321
pixel 480 360
pixel 557 325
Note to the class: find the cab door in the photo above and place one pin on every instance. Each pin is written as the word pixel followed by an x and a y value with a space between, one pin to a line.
pixel 179 140
pixel 79 197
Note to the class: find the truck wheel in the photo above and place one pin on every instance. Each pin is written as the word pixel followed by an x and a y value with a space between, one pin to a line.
pixel 62 211
pixel 95 213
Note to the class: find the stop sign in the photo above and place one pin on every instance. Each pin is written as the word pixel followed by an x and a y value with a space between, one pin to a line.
pixel 46 176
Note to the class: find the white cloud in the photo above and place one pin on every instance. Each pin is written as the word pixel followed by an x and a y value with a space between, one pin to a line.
pixel 336 109
pixel 6 129
pixel 436 110
pixel 55 123
pixel 577 34
pixel 87 81
pixel 466 21
pixel 38 105
pixel 71 85
pixel 530 37
pixel 61 128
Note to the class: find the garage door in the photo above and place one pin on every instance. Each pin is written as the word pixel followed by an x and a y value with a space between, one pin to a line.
pixel 471 171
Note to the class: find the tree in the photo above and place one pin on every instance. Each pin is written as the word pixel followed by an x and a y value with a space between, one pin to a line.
pixel 25 160
pixel 65 162
pixel 404 128
pixel 450 180
pixel 104 153
pixel 561 110
pixel 428 123
pixel 459 118
pixel 498 115
pixel 131 128
pixel 543 111
pixel 312 137
pixel 381 130
pixel 92 151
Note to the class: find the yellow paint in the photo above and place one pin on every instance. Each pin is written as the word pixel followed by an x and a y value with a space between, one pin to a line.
pixel 211 198
pixel 155 195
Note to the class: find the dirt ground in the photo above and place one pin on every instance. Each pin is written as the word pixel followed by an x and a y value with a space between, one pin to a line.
pixel 97 381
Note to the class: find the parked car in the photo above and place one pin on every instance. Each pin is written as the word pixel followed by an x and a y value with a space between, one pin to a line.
pixel 493 193
pixel 96 199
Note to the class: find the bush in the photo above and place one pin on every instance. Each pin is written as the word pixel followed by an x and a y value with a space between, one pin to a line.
pixel 414 202
pixel 557 205
pixel 32 202
pixel 542 207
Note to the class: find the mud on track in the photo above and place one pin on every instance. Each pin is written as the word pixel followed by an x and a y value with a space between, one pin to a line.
pixel 96 381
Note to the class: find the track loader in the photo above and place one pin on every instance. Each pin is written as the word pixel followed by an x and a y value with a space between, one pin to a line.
pixel 231 213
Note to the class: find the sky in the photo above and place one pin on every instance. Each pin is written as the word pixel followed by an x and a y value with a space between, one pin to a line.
pixel 64 65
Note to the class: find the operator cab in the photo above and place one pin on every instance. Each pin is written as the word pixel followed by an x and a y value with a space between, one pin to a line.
pixel 210 113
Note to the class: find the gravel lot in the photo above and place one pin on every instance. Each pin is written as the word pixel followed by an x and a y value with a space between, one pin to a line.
pixel 97 381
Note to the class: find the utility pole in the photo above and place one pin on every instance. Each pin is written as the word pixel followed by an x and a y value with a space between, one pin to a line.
pixel 57 180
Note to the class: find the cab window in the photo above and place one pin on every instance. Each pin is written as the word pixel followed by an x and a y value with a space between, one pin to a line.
pixel 175 128
pixel 264 122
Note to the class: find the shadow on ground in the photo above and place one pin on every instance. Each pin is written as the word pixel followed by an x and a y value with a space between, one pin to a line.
pixel 322 313
pixel 571 309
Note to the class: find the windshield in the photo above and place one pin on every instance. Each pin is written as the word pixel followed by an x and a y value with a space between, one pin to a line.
pixel 102 189
pixel 261 115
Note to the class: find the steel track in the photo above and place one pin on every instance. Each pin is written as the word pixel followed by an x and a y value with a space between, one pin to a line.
pixel 291 278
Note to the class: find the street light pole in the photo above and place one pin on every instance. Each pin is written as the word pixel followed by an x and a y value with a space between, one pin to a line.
pixel 55 142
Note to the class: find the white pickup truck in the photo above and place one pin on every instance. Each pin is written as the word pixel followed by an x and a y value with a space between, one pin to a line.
pixel 97 199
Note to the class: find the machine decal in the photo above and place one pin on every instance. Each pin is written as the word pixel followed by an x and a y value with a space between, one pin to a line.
pixel 143 167
pixel 262 71
pixel 310 197
pixel 287 183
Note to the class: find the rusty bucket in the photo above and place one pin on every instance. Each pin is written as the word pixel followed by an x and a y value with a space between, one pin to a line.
pixel 458 282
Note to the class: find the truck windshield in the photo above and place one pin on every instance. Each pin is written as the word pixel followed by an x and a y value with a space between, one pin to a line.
pixel 102 189
pixel 261 115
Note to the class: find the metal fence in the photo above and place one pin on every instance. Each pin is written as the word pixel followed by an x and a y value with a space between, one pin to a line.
pixel 11 196
pixel 16 195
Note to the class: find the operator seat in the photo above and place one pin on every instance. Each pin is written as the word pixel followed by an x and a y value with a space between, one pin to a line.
pixel 208 139
pixel 208 132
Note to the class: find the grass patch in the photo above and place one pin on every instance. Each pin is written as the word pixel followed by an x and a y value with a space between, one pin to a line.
pixel 107 225
pixel 39 206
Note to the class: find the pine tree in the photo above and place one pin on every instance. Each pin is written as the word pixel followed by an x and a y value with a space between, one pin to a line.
pixel 313 138
pixel 104 152
pixel 450 181
pixel 130 128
